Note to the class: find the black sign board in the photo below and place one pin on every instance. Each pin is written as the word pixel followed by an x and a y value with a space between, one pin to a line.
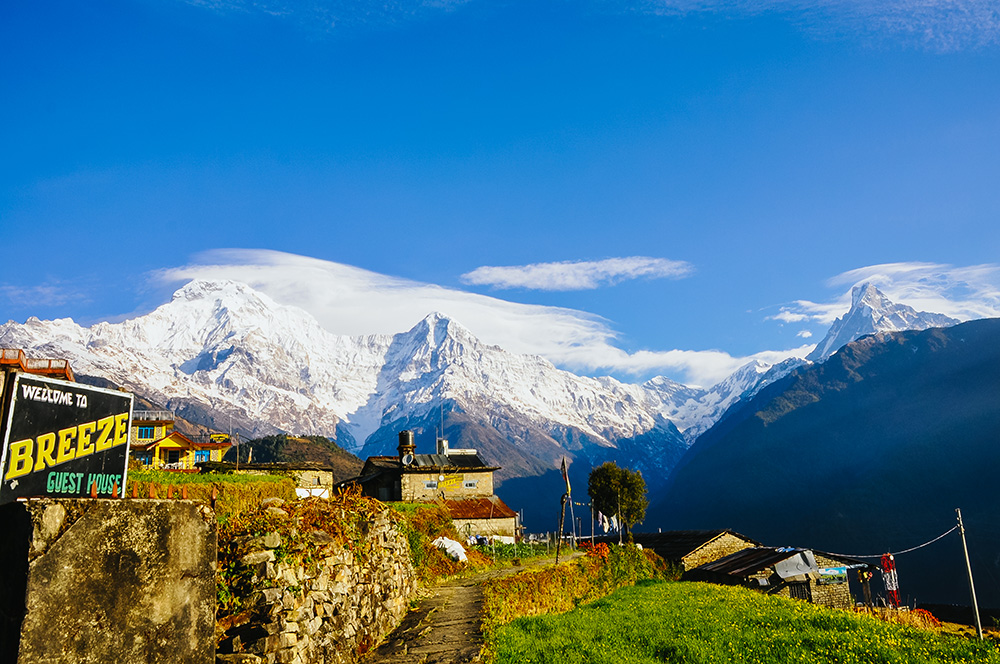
pixel 60 438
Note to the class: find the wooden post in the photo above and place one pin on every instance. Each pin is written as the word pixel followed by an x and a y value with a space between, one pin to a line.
pixel 562 518
pixel 968 568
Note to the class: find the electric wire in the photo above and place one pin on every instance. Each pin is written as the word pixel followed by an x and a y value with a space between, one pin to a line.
pixel 899 553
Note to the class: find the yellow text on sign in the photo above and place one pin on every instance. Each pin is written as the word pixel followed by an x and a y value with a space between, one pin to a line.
pixel 450 482
pixel 52 449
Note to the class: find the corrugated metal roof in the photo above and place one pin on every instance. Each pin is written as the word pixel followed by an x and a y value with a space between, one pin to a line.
pixel 426 461
pixel 748 561
pixel 479 508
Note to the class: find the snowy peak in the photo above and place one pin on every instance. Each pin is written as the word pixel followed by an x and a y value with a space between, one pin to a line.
pixel 872 312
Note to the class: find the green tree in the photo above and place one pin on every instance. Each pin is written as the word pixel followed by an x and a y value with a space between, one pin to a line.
pixel 618 491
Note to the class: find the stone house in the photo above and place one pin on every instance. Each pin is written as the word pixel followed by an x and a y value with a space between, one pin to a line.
pixel 813 576
pixel 482 516
pixel 312 480
pixel 458 478
pixel 687 549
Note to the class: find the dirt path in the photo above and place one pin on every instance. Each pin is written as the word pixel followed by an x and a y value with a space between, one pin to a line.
pixel 445 626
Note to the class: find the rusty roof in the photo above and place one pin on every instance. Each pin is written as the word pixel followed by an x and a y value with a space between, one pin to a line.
pixel 479 508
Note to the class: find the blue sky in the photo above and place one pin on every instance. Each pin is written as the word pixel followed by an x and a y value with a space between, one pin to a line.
pixel 671 187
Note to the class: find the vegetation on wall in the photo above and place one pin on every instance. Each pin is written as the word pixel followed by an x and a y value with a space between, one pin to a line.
pixel 300 530
pixel 421 524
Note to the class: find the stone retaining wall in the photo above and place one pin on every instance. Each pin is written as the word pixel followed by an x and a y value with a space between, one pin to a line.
pixel 329 610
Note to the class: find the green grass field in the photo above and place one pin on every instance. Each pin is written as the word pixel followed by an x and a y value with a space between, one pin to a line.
pixel 658 621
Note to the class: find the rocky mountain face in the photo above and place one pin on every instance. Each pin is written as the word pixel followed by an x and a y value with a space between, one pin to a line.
pixel 869 452
pixel 872 312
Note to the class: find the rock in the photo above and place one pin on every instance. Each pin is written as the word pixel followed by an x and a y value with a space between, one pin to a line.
pixel 257 557
pixel 320 537
pixel 238 658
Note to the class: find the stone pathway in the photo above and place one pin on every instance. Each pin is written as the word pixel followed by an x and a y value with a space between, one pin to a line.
pixel 445 626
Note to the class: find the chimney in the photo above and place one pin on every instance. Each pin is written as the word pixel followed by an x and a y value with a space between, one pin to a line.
pixel 442 446
pixel 406 445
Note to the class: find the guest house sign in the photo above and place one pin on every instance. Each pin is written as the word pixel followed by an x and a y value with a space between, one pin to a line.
pixel 62 438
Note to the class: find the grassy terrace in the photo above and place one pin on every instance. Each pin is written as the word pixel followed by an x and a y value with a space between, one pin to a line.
pixel 658 621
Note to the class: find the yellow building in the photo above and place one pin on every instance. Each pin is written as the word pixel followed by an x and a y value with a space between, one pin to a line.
pixel 157 445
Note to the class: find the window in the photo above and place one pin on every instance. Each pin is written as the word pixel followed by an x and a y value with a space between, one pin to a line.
pixel 430 485
pixel 145 433
pixel 799 591
pixel 146 458
pixel 173 456
pixel 471 484
pixel 202 455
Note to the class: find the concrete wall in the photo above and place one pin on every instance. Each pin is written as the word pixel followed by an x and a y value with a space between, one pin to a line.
pixel 414 488
pixel 107 581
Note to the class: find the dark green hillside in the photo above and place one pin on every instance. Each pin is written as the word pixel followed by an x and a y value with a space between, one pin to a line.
pixel 299 449
pixel 868 452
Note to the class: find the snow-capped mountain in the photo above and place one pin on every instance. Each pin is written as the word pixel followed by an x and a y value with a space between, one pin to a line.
pixel 221 350
pixel 222 354
pixel 872 312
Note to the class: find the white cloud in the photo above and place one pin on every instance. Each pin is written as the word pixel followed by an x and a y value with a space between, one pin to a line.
pixel 350 300
pixel 804 334
pixel 48 294
pixel 965 293
pixel 576 275
pixel 788 316
pixel 939 25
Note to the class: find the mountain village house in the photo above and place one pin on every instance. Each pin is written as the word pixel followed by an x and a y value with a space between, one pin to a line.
pixel 155 443
pixel 457 478
pixel 688 549
pixel 813 576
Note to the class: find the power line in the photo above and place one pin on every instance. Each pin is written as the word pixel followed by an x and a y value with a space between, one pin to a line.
pixel 899 553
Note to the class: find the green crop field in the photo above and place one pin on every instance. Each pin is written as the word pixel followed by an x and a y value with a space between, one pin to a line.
pixel 658 621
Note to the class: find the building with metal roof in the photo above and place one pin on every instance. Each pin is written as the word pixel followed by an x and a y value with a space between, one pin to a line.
pixel 458 478
pixel 814 576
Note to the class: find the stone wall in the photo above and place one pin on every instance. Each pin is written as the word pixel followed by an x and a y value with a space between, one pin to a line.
pixel 720 547
pixel 837 595
pixel 107 581
pixel 500 526
pixel 329 609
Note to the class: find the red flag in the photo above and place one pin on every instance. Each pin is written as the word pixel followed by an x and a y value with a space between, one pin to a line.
pixel 565 475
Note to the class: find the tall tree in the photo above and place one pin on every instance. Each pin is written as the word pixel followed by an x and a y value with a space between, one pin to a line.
pixel 618 491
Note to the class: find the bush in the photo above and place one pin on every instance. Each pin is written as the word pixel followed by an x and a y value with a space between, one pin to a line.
pixel 563 587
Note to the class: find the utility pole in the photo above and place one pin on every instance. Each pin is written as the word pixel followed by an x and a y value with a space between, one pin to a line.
pixel 968 568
